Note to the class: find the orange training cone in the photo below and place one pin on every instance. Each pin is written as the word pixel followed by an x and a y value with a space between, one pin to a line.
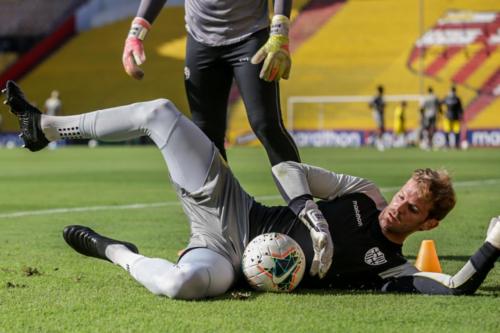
pixel 427 259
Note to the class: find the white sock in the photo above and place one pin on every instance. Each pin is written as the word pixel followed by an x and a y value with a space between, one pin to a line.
pixel 120 255
pixel 494 232
pixel 56 128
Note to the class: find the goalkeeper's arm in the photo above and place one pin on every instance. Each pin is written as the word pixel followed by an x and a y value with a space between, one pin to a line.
pixel 295 179
pixel 294 186
pixel 465 282
pixel 149 9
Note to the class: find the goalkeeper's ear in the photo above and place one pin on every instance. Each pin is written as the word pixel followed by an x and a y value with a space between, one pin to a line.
pixel 429 224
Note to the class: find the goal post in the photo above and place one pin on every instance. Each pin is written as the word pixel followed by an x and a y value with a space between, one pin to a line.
pixel 322 101
pixel 347 121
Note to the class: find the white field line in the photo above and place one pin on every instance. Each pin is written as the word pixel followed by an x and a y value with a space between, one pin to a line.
pixel 53 211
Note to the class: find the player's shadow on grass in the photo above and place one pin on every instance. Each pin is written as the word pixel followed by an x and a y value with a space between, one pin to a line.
pixel 340 292
pixel 493 289
pixel 248 294
pixel 239 294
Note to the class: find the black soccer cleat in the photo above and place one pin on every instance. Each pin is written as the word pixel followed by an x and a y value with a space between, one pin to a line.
pixel 88 242
pixel 27 115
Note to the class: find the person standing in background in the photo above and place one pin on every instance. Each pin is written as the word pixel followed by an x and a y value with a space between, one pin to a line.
pixel 228 40
pixel 400 124
pixel 53 104
pixel 378 107
pixel 429 110
pixel 453 117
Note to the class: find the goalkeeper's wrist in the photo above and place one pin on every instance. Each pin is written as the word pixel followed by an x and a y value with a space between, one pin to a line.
pixel 280 25
pixel 139 28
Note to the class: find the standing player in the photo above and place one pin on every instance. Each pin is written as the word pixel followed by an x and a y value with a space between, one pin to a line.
pixel 378 108
pixel 453 117
pixel 368 232
pixel 400 124
pixel 429 110
pixel 226 40
pixel 53 104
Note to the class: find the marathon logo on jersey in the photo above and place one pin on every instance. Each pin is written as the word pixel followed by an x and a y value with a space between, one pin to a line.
pixel 359 221
pixel 375 257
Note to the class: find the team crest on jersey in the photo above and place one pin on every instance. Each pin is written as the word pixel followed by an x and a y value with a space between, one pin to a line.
pixel 375 257
pixel 187 73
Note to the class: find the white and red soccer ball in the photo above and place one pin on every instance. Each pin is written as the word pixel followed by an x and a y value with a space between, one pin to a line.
pixel 273 262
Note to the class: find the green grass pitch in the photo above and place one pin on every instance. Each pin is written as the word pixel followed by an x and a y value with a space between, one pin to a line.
pixel 47 287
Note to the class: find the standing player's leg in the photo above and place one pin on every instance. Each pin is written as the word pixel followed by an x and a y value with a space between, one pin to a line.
pixel 431 130
pixel 456 132
pixel 447 131
pixel 207 82
pixel 262 102
pixel 379 129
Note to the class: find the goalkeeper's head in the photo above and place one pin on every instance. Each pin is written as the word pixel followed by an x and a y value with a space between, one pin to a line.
pixel 425 199
pixel 436 187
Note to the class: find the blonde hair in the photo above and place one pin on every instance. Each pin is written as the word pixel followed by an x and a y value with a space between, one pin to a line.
pixel 436 187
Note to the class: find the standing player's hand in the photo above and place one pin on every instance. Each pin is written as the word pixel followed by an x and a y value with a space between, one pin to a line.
pixel 275 52
pixel 133 52
pixel 312 217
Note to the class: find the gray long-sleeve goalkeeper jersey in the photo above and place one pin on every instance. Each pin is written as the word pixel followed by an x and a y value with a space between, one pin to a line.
pixel 225 22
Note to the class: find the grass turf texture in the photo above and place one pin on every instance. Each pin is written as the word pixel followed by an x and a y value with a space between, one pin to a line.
pixel 46 286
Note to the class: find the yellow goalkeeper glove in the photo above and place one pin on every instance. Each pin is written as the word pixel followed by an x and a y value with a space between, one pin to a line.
pixel 275 52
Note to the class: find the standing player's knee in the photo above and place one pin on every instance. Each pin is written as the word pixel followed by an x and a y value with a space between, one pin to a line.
pixel 265 129
pixel 188 283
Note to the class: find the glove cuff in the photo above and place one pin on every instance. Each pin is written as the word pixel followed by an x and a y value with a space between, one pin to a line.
pixel 280 25
pixel 312 217
pixel 139 28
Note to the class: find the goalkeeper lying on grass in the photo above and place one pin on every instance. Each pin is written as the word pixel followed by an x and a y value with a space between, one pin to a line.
pixel 367 232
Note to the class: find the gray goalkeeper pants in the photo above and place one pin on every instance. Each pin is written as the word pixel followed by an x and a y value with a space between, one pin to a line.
pixel 211 197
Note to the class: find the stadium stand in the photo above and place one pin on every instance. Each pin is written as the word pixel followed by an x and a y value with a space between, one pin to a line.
pixel 365 44
pixel 7 59
pixel 352 47
pixel 18 18
pixel 469 57
pixel 25 41
pixel 77 69
pixel 19 31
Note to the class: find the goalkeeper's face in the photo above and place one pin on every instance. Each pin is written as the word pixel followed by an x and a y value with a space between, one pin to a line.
pixel 407 212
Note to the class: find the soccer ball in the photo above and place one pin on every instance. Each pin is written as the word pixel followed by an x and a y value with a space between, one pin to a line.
pixel 273 262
